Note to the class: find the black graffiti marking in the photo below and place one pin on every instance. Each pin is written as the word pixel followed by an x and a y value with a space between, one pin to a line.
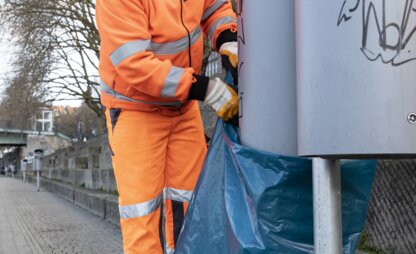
pixel 241 36
pixel 397 53
pixel 241 40
pixel 240 106
pixel 240 65
pixel 346 13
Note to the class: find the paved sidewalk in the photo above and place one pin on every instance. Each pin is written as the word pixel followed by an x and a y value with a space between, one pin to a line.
pixel 40 222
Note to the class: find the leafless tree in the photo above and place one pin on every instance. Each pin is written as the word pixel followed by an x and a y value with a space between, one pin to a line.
pixel 25 92
pixel 77 123
pixel 67 28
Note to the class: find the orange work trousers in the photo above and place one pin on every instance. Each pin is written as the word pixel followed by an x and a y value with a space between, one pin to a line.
pixel 157 160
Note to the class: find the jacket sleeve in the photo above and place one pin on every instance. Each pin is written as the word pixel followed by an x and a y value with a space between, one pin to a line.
pixel 218 17
pixel 125 48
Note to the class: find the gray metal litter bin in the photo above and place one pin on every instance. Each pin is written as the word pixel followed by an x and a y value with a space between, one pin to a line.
pixel 38 163
pixel 356 74
pixel 267 79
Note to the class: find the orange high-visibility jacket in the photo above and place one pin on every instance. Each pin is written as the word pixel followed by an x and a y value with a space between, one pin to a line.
pixel 145 60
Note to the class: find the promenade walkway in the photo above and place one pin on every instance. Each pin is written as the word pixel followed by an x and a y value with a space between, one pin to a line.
pixel 41 222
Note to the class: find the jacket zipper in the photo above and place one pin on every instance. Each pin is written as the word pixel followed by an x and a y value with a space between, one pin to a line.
pixel 189 34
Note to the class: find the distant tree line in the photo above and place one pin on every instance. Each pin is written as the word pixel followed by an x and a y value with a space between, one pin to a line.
pixel 57 46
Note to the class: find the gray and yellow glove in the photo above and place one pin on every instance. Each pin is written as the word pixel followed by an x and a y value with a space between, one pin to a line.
pixel 216 93
pixel 230 50
pixel 222 99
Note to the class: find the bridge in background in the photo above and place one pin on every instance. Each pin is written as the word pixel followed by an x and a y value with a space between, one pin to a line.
pixel 15 137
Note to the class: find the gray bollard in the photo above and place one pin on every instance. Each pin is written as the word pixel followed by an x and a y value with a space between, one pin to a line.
pixel 13 170
pixel 38 165
pixel 24 169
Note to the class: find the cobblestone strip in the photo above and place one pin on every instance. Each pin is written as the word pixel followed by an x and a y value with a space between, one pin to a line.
pixel 24 230
pixel 12 238
pixel 40 222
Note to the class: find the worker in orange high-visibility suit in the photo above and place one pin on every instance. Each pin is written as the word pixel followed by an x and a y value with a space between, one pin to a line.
pixel 150 61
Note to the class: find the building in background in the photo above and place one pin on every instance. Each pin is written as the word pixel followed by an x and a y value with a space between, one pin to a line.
pixel 43 120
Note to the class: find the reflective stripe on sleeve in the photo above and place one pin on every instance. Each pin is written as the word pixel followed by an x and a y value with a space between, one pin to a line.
pixel 177 195
pixel 172 82
pixel 175 47
pixel 221 21
pixel 170 48
pixel 111 92
pixel 140 209
pixel 128 49
pixel 213 8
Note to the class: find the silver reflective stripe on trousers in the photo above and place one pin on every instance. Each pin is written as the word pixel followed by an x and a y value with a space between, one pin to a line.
pixel 170 48
pixel 108 90
pixel 221 21
pixel 128 49
pixel 175 47
pixel 172 82
pixel 177 195
pixel 169 250
pixel 140 209
pixel 213 8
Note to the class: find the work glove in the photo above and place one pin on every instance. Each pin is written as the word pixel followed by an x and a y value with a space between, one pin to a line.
pixel 222 99
pixel 229 57
pixel 230 49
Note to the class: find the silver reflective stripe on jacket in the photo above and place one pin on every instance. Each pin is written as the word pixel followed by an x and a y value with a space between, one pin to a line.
pixel 169 48
pixel 128 49
pixel 213 8
pixel 177 195
pixel 221 21
pixel 111 92
pixel 172 82
pixel 175 47
pixel 140 209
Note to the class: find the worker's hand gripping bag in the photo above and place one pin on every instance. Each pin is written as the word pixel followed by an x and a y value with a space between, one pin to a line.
pixel 247 201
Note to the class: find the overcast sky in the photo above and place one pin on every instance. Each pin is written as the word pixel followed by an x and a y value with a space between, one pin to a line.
pixel 6 55
pixel 6 51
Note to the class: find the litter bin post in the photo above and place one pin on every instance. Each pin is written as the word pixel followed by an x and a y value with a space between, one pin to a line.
pixel 38 165
pixel 327 216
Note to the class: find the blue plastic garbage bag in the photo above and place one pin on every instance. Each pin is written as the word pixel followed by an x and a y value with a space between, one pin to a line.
pixel 248 201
